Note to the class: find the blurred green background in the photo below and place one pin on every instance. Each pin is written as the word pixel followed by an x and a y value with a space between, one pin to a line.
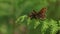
pixel 13 17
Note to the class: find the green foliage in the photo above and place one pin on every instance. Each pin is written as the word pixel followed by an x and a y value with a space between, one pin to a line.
pixel 47 27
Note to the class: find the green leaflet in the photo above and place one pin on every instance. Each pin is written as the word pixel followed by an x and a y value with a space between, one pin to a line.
pixel 21 19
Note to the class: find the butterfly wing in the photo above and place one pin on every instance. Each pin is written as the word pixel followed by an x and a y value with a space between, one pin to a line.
pixel 33 14
pixel 41 13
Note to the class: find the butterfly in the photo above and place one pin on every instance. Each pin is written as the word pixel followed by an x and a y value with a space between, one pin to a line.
pixel 38 15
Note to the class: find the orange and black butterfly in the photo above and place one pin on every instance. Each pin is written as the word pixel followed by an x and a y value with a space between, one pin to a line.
pixel 39 15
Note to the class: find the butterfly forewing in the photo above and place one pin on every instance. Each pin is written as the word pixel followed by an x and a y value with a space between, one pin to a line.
pixel 41 13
